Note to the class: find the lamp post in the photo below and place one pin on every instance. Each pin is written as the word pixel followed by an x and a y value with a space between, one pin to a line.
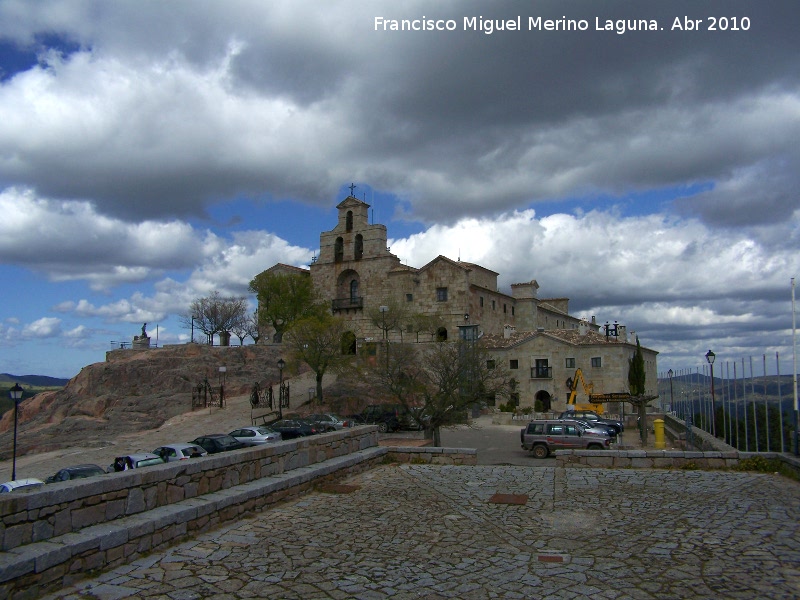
pixel 710 356
pixel 222 374
pixel 671 402
pixel 281 364
pixel 193 317
pixel 15 393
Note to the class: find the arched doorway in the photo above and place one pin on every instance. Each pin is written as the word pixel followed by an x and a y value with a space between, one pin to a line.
pixel 348 342
pixel 545 399
pixel 441 334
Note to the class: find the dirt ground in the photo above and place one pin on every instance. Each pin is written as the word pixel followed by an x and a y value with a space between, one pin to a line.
pixel 181 428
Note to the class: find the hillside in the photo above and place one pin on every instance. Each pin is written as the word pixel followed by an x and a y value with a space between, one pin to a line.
pixel 33 380
pixel 133 390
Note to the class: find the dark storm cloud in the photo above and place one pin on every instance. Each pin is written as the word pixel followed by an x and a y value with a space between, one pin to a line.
pixel 184 108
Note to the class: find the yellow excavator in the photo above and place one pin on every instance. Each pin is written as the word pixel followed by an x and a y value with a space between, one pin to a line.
pixel 588 388
pixel 595 400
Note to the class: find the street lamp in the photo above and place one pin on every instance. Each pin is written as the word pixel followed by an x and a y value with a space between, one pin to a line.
pixel 710 356
pixel 671 404
pixel 15 393
pixel 222 373
pixel 281 364
pixel 193 318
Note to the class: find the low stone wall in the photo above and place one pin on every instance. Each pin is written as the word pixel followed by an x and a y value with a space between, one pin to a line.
pixel 646 459
pixel 665 459
pixel 434 456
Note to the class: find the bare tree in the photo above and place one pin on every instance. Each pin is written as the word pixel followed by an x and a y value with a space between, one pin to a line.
pixel 388 315
pixel 439 383
pixel 214 314
pixel 246 326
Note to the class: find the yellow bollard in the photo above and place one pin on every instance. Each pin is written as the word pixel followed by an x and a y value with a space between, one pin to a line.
pixel 658 428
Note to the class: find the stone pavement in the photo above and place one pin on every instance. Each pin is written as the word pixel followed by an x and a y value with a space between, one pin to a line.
pixel 422 531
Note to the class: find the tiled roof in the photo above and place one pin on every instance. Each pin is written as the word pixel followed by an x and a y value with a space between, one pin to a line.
pixel 570 336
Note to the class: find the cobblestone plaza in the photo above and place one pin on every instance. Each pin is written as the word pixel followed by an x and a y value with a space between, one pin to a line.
pixel 422 531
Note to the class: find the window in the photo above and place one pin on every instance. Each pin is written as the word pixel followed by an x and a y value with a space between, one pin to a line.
pixel 555 430
pixel 353 290
pixel 481 301
pixel 492 304
pixel 358 251
pixel 541 370
pixel 596 361
pixel 514 399
pixel 569 363
pixel 513 364
pixel 441 294
pixel 536 428
pixel 409 297
pixel 348 225
pixel 512 310
pixel 490 364
pixel 338 251
pixel 504 309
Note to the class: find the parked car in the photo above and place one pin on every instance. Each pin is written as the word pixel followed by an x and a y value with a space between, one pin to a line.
pixel 595 427
pixel 294 428
pixel 330 422
pixel 257 435
pixel 75 472
pixel 217 442
pixel 18 485
pixel 388 417
pixel 590 415
pixel 179 451
pixel 545 436
pixel 135 461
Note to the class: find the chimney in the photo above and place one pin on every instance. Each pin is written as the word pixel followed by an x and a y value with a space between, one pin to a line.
pixel 583 328
pixel 508 331
pixel 622 333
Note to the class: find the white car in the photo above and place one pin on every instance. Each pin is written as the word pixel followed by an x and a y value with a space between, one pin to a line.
pixel 179 451
pixel 20 484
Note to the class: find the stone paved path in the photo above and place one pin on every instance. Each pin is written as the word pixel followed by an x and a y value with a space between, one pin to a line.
pixel 421 531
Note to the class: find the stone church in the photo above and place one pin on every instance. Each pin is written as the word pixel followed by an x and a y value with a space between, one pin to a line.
pixel 537 337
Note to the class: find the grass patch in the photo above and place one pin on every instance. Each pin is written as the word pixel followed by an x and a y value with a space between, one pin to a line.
pixel 759 464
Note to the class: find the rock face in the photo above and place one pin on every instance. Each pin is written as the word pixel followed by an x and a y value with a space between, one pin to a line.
pixel 134 390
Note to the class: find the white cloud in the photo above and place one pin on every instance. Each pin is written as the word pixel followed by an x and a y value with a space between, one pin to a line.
pixel 46 327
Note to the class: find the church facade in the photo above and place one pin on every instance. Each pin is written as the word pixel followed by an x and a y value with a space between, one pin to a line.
pixel 539 339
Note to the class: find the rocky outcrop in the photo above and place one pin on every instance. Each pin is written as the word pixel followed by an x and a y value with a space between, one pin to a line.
pixel 134 390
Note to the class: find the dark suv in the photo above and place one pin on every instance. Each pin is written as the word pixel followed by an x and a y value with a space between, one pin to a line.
pixel 388 417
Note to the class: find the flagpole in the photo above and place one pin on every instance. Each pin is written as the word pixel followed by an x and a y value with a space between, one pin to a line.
pixel 794 376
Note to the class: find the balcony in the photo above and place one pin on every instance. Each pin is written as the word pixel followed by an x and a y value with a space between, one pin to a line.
pixel 338 304
pixel 541 372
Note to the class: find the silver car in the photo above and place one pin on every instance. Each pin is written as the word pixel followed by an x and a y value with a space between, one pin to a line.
pixel 329 421
pixel 21 484
pixel 256 435
pixel 179 451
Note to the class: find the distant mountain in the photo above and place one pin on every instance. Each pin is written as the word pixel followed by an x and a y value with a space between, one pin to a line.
pixel 37 380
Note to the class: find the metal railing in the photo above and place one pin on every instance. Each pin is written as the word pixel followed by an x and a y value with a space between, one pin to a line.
pixel 750 410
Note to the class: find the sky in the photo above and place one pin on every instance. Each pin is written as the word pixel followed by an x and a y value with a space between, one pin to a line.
pixel 154 152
